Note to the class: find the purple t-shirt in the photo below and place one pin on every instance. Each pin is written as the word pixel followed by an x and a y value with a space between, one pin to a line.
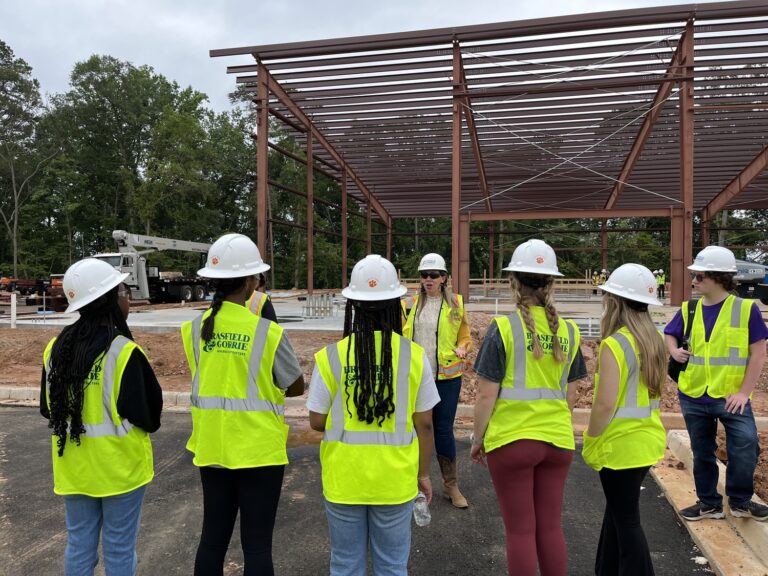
pixel 757 331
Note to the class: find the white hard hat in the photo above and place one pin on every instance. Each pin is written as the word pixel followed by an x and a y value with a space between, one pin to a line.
pixel 233 256
pixel 633 282
pixel 604 271
pixel 661 271
pixel 534 257
pixel 714 259
pixel 432 261
pixel 88 279
pixel 374 278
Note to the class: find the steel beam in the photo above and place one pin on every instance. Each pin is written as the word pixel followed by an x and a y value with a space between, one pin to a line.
pixel 456 240
pixel 344 229
pixel 262 159
pixel 682 226
pixel 286 100
pixel 310 215
pixel 569 214
pixel 657 105
pixel 756 166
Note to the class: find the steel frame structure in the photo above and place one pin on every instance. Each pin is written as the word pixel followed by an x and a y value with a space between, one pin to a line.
pixel 598 115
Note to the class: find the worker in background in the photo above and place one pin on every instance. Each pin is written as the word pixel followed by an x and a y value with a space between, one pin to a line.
pixel 259 302
pixel 595 282
pixel 102 400
pixel 242 367
pixel 372 395
pixel 725 358
pixel 523 412
pixel 625 435
pixel 603 277
pixel 438 323
pixel 661 281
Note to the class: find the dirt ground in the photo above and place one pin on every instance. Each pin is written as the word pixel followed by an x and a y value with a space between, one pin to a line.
pixel 21 360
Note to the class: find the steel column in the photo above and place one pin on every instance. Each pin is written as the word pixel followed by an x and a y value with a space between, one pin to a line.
pixel 704 230
pixel 464 257
pixel 262 158
pixel 491 248
pixel 389 238
pixel 310 214
pixel 344 229
pixel 682 226
pixel 369 225
pixel 456 229
pixel 604 244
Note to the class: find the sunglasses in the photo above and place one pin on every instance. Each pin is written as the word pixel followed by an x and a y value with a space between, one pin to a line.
pixel 698 277
pixel 433 275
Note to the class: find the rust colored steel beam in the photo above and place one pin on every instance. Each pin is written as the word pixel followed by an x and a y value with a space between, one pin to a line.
pixel 556 25
pixel 456 172
pixel 262 159
pixel 566 87
pixel 657 104
pixel 287 121
pixel 298 158
pixel 570 214
pixel 476 150
pixel 344 228
pixel 310 215
pixel 756 166
pixel 285 98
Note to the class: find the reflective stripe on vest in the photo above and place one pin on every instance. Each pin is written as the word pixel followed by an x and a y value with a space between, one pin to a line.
pixel 256 303
pixel 401 436
pixel 734 357
pixel 520 357
pixel 107 426
pixel 251 403
pixel 630 408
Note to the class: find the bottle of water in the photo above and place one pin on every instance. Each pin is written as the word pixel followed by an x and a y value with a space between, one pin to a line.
pixel 421 510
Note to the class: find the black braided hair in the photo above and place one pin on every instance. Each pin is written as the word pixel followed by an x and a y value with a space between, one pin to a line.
pixel 71 363
pixel 224 287
pixel 372 390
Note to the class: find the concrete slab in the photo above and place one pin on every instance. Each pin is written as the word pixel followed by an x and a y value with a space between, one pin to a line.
pixel 459 543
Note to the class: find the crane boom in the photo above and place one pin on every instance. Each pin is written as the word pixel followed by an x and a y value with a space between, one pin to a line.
pixel 138 243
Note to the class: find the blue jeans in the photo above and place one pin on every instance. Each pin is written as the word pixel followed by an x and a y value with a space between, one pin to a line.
pixel 117 518
pixel 443 415
pixel 741 444
pixel 386 527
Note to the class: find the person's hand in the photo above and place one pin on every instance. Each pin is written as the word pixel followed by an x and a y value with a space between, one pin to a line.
pixel 735 403
pixel 425 485
pixel 477 453
pixel 681 355
pixel 460 351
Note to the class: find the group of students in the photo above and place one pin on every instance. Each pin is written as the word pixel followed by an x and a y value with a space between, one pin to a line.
pixel 385 397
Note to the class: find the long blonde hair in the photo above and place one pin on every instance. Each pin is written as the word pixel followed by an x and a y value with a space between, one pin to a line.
pixel 525 296
pixel 618 312
pixel 447 296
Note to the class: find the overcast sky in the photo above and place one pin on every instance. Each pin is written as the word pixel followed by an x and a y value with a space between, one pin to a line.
pixel 174 37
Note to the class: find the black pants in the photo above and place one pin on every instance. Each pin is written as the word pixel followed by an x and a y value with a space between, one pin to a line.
pixel 256 493
pixel 623 549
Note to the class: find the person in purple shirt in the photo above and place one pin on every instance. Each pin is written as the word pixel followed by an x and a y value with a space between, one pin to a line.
pixel 714 386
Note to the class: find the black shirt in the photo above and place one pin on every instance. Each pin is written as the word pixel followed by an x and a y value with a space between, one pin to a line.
pixel 141 398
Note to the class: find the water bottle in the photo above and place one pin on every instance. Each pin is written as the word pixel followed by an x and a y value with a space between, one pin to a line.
pixel 421 510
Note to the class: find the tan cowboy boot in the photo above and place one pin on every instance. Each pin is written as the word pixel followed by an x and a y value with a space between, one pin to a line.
pixel 450 486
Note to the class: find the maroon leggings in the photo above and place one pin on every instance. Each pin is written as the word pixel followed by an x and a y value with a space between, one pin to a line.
pixel 529 478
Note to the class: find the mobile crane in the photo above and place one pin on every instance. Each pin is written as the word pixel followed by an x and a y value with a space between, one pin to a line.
pixel 147 282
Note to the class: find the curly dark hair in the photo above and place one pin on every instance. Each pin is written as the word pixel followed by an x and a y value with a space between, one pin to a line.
pixel 72 359
pixel 725 279
pixel 373 390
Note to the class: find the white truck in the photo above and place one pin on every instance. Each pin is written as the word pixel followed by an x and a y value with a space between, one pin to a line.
pixel 753 280
pixel 147 282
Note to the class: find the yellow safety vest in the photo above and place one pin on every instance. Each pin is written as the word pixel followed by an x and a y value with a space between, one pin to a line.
pixel 532 401
pixel 449 365
pixel 661 280
pixel 635 436
pixel 256 302
pixel 237 411
pixel 367 463
pixel 114 456
pixel 717 367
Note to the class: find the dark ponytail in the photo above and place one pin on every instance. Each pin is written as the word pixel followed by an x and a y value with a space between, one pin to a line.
pixel 71 361
pixel 224 287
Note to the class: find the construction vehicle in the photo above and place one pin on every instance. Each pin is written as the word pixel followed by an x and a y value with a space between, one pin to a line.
pixel 753 280
pixel 147 282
